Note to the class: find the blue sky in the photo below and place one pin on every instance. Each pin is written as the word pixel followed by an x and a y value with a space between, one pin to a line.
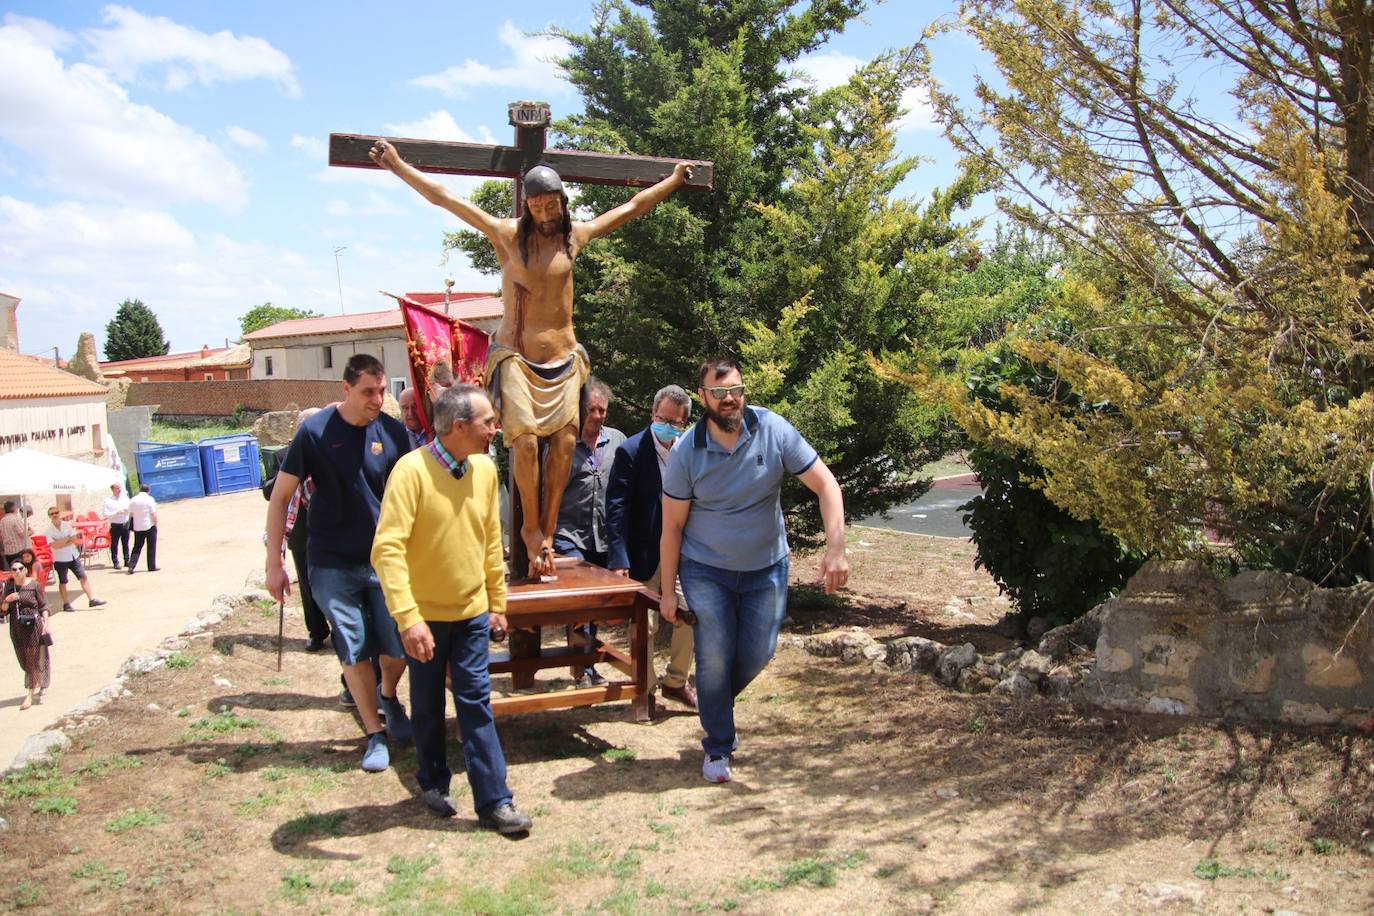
pixel 176 152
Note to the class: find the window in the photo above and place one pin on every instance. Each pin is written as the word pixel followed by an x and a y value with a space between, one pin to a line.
pixel 267 365
pixel 328 357
pixel 397 386
pixel 97 439
pixel 209 376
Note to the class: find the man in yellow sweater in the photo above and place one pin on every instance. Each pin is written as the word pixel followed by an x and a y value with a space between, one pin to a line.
pixel 438 555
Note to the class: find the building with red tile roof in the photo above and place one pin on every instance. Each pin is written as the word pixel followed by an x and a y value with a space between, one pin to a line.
pixel 208 364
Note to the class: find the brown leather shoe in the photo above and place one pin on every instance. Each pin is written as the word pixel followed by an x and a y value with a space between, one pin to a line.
pixel 684 695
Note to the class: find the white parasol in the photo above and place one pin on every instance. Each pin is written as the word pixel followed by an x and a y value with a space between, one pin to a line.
pixel 25 470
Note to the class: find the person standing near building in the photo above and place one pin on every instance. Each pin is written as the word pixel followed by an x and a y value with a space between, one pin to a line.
pixel 14 533
pixel 410 416
pixel 725 541
pixel 581 530
pixel 634 523
pixel 143 521
pixel 116 512
pixel 348 451
pixel 438 555
pixel 26 607
pixel 66 558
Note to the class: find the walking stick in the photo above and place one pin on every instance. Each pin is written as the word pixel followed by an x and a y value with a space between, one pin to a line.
pixel 281 628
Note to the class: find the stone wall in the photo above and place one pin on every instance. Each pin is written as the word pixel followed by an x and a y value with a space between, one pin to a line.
pixel 1261 645
pixel 219 399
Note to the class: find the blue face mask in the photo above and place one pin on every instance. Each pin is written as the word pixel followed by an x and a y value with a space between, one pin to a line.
pixel 665 432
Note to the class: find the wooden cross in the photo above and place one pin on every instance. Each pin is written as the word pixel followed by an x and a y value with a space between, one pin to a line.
pixel 531 122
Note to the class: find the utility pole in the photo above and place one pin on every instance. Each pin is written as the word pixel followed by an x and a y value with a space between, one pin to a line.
pixel 338 276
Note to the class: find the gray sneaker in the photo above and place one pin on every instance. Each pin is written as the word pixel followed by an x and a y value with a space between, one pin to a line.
pixel 439 801
pixel 716 769
pixel 504 819
pixel 397 722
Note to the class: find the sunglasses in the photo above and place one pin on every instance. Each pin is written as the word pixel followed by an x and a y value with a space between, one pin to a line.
pixel 16 568
pixel 720 393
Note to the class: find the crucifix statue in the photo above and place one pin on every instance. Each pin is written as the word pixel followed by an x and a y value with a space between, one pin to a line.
pixel 535 368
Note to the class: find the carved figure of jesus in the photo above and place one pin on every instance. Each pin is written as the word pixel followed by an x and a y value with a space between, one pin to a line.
pixel 535 366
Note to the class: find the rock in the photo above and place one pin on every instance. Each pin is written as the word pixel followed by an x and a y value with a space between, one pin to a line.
pixel 99 699
pixel 1078 636
pixel 968 679
pixel 210 618
pixel 1167 706
pixel 995 671
pixel 875 653
pixel 849 645
pixel 1034 665
pixel 785 640
pixel 946 793
pixel 1015 685
pixel 1161 893
pixel 221 682
pixel 40 748
pixel 913 653
pixel 954 660
pixel 788 622
pixel 1059 683
pixel 1037 627
pixel 275 427
pixel 4 824
pixel 173 644
pixel 256 579
pixel 153 707
pixel 1008 658
pixel 140 664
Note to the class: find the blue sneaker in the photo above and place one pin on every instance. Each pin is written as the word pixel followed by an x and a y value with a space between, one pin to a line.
pixel 397 722
pixel 378 755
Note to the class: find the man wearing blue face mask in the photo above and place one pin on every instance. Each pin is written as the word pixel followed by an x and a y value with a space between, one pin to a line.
pixel 634 522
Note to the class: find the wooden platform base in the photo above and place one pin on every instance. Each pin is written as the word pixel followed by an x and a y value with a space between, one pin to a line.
pixel 580 594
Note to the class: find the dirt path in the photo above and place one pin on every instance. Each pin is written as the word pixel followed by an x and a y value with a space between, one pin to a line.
pixel 222 785
pixel 204 548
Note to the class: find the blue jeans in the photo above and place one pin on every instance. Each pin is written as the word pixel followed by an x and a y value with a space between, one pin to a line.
pixel 351 598
pixel 738 618
pixel 461 647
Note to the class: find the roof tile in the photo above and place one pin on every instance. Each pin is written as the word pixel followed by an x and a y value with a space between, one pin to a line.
pixel 26 377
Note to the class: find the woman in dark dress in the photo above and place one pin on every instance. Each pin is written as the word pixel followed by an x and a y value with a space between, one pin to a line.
pixel 26 607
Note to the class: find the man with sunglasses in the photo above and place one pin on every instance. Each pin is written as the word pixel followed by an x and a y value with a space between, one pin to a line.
pixel 66 558
pixel 725 542
pixel 634 523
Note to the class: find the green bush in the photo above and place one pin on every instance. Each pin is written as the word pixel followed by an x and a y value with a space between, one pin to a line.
pixel 1051 564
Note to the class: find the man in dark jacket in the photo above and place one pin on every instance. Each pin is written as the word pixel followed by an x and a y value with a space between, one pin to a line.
pixel 634 522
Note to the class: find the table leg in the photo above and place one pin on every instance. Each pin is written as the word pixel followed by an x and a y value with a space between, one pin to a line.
pixel 524 643
pixel 642 657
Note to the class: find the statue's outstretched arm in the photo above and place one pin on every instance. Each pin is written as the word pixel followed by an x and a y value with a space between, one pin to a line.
pixel 385 155
pixel 638 205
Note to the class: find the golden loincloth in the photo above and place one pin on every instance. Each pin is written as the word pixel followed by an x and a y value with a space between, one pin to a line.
pixel 532 397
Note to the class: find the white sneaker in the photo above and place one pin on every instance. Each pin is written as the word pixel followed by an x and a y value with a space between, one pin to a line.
pixel 715 769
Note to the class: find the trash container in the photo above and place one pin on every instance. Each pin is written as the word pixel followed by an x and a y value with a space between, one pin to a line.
pixel 170 471
pixel 230 463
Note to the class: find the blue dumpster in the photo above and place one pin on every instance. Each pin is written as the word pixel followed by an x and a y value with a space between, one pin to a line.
pixel 230 463
pixel 170 471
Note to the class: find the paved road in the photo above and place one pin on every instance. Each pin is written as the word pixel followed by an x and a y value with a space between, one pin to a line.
pixel 205 547
pixel 936 514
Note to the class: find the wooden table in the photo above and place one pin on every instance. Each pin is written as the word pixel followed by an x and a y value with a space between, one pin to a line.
pixel 581 593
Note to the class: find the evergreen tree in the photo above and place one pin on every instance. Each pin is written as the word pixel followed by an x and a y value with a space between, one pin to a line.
pixel 799 261
pixel 134 333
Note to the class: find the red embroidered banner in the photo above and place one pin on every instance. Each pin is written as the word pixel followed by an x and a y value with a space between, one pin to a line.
pixel 434 339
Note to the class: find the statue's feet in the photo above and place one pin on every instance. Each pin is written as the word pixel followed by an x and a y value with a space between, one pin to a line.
pixel 539 550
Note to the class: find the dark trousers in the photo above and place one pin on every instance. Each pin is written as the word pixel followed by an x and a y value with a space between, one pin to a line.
pixel 141 538
pixel 119 542
pixel 315 622
pixel 461 647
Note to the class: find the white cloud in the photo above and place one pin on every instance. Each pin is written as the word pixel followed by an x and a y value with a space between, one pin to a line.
pixel 828 69
pixel 437 125
pixel 831 68
pixel 44 33
pixel 534 65
pixel 374 204
pixel 920 113
pixel 85 134
pixel 316 148
pixel 135 41
pixel 245 138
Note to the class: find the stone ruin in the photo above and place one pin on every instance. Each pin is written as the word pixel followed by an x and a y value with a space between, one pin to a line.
pixel 86 363
pixel 1178 640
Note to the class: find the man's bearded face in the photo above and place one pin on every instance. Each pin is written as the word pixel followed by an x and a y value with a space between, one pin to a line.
pixel 547 212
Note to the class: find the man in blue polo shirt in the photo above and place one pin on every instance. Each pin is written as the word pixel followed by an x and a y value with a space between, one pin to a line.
pixel 725 542
pixel 348 452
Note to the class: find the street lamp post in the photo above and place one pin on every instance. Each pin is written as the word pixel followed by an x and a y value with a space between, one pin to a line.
pixel 338 276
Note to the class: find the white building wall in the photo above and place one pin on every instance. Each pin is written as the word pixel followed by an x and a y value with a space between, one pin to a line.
pixel 304 357
pixel 57 426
